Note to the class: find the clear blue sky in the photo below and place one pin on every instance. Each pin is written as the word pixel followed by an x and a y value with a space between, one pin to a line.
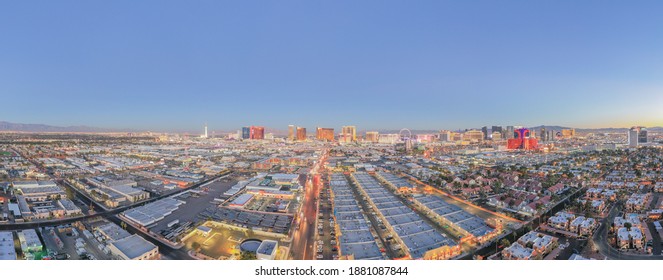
pixel 174 65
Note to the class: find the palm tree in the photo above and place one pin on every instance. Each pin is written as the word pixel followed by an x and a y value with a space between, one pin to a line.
pixel 628 226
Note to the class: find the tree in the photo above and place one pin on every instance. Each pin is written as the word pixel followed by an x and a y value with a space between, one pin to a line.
pixel 195 246
pixel 248 256
pixel 505 243
pixel 628 226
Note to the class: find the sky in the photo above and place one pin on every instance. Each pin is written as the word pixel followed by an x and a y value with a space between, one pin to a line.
pixel 175 65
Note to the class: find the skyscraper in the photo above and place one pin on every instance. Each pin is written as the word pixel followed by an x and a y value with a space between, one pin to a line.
pixel 301 134
pixel 257 132
pixel 445 136
pixel 325 134
pixel 291 132
pixel 642 136
pixel 510 130
pixel 348 134
pixel 496 128
pixel 484 130
pixel 633 134
pixel 372 136
pixel 246 132
pixel 473 136
pixel 205 133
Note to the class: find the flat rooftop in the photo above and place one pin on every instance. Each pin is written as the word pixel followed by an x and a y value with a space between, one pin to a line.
pixel 133 246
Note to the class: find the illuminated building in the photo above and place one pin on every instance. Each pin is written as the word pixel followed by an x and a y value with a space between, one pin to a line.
pixel 257 132
pixel 325 134
pixel 348 134
pixel 372 136
pixel 523 141
pixel 291 132
pixel 246 132
pixel 301 134
pixel 388 138
pixel 473 136
pixel 568 132
pixel 425 138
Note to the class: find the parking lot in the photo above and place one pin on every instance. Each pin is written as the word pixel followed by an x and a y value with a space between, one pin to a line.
pixel 195 202
pixel 62 241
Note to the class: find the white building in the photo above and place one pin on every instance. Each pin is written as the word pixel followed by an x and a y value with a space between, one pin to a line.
pixel 134 247
pixel 267 250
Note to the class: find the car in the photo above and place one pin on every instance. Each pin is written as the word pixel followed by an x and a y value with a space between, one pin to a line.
pixel 319 257
pixel 320 250
pixel 334 249
pixel 333 242
pixel 62 256
pixel 335 256
pixel 321 242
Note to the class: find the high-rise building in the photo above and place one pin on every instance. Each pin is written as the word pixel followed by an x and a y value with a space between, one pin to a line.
pixel 445 136
pixel 473 136
pixel 388 138
pixel 348 134
pixel 522 140
pixel 568 132
pixel 496 128
pixel 205 132
pixel 246 132
pixel 291 132
pixel 484 130
pixel 301 134
pixel 636 136
pixel 642 136
pixel 633 134
pixel 543 135
pixel 325 134
pixel 257 132
pixel 510 130
pixel 372 136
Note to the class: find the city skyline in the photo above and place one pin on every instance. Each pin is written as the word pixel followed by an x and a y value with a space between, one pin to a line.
pixel 438 66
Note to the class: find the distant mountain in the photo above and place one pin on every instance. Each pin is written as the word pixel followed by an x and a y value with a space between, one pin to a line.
pixel 549 127
pixel 22 127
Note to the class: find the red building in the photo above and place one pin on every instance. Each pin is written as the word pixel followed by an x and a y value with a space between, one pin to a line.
pixel 522 141
pixel 257 132
pixel 301 134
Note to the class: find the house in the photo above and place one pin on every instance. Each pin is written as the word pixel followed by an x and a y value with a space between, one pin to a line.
pixel 561 220
pixel 556 189
pixel 518 252
pixel 627 239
